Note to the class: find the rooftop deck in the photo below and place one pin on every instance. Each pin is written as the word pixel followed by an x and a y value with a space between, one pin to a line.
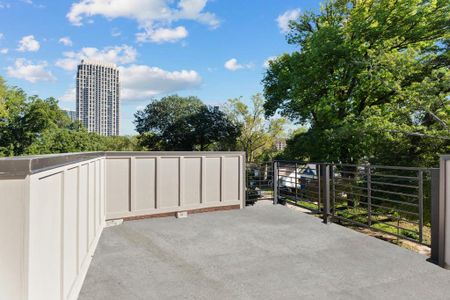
pixel 261 252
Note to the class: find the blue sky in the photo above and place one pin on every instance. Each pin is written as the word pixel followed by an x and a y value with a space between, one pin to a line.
pixel 212 49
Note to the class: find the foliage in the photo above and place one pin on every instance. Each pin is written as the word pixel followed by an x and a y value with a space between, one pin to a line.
pixel 371 80
pixel 159 115
pixel 258 135
pixel 3 113
pixel 209 129
pixel 184 123
pixel 26 119
pixel 121 143
pixel 66 140
pixel 30 125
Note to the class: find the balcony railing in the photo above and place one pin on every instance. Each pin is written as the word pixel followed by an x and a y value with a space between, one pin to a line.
pixel 392 200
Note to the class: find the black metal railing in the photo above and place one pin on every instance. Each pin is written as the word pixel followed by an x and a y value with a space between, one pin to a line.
pixel 260 183
pixel 384 198
pixel 392 200
pixel 299 184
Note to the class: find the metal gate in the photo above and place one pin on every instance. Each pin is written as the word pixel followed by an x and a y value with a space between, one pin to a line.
pixel 260 183
pixel 299 184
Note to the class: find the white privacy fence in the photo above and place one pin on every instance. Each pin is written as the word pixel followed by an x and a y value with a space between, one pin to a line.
pixel 154 183
pixel 53 208
pixel 50 224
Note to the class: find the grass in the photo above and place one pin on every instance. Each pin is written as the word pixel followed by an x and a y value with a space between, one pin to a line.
pixel 380 220
pixel 308 205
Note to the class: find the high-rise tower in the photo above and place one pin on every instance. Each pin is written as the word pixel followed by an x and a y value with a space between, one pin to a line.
pixel 98 99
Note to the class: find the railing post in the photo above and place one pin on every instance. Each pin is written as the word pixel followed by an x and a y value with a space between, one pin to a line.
pixel 325 179
pixel 420 206
pixel 369 195
pixel 295 184
pixel 319 185
pixel 437 221
pixel 275 182
pixel 333 189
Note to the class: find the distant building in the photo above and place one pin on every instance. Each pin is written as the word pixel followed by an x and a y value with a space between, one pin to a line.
pixel 72 114
pixel 98 100
pixel 280 145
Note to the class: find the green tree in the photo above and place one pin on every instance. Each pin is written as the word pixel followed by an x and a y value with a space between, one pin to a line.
pixel 30 125
pixel 184 123
pixel 121 143
pixel 64 140
pixel 160 116
pixel 211 129
pixel 371 80
pixel 24 119
pixel 3 113
pixel 258 134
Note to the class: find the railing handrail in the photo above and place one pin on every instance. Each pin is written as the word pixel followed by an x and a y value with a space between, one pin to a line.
pixel 358 165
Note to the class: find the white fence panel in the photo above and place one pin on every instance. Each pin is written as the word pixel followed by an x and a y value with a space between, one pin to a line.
pixel 140 184
pixel 53 208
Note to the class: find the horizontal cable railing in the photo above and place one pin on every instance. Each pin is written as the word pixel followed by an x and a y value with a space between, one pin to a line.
pixel 259 181
pixel 299 184
pixel 384 198
pixel 392 200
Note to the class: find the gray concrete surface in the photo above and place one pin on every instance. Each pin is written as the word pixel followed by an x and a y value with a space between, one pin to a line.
pixel 262 252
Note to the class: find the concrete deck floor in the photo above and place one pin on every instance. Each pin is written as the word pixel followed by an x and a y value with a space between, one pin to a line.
pixel 262 252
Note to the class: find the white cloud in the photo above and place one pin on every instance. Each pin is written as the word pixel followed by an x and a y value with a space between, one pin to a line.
pixel 233 65
pixel 26 70
pixel 1 35
pixel 66 41
pixel 151 15
pixel 69 95
pixel 268 60
pixel 284 19
pixel 115 32
pixel 4 51
pixel 123 54
pixel 28 43
pixel 140 81
pixel 68 64
pixel 192 10
pixel 143 11
pixel 162 35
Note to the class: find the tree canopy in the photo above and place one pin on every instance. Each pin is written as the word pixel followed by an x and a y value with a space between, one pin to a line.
pixel 371 80
pixel 31 125
pixel 185 123
pixel 258 135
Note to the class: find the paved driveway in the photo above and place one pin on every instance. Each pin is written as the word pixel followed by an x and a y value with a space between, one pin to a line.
pixel 265 252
